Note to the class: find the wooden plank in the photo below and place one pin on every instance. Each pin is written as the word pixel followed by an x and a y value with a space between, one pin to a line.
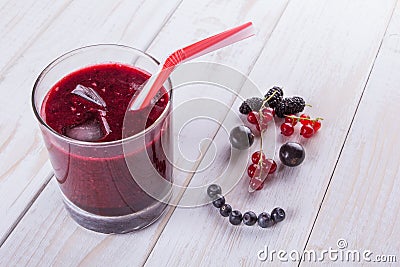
pixel 23 154
pixel 21 23
pixel 362 202
pixel 324 51
pixel 18 247
pixel 50 238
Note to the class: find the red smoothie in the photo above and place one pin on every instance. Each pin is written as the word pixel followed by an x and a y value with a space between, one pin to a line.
pixel 89 105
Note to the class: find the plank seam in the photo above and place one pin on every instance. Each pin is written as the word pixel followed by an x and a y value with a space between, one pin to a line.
pixel 348 131
pixel 130 21
pixel 163 25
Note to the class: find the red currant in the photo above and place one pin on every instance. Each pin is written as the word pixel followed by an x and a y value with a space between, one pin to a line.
pixel 316 125
pixel 261 186
pixel 253 117
pixel 256 183
pixel 290 120
pixel 267 110
pixel 287 129
pixel 273 167
pixel 307 131
pixel 255 158
pixel 252 170
pixel 304 119
pixel 266 119
pixel 264 126
pixel 267 115
pixel 265 165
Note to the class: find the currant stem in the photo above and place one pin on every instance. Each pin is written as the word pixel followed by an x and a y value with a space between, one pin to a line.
pixel 269 98
pixel 308 119
pixel 260 162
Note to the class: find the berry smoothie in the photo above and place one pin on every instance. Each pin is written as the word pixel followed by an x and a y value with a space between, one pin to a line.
pixel 89 105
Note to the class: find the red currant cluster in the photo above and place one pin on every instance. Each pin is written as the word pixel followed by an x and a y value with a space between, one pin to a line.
pixel 261 167
pixel 309 126
pixel 262 118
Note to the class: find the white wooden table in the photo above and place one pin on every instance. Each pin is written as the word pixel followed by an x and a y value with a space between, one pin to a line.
pixel 342 56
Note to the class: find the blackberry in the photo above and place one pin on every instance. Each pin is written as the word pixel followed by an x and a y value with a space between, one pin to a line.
pixel 244 108
pixel 250 104
pixel 290 105
pixel 277 98
pixel 299 104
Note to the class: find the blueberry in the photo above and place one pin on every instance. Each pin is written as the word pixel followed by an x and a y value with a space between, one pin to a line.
pixel 265 220
pixel 225 210
pixel 213 190
pixel 235 217
pixel 292 154
pixel 241 137
pixel 219 201
pixel 278 214
pixel 249 218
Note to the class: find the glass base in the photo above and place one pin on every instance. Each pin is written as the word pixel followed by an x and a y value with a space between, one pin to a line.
pixel 115 224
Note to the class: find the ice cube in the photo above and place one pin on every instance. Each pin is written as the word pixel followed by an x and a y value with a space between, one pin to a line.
pixel 90 131
pixel 106 126
pixel 89 94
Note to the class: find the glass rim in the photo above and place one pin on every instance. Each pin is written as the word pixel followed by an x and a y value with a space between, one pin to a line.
pixel 87 143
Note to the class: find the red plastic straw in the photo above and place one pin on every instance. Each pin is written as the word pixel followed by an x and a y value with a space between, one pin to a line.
pixel 144 96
